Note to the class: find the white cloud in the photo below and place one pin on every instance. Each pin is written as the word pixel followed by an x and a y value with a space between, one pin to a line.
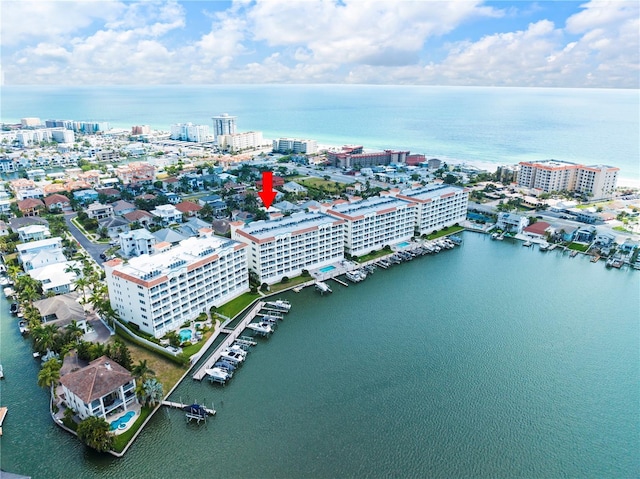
pixel 295 41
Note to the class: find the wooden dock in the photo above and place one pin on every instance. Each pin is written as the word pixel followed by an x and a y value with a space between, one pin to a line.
pixel 346 285
pixel 3 413
pixel 231 337
pixel 177 405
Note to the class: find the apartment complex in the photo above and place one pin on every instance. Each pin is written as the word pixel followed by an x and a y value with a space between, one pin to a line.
pixel 438 206
pixel 136 173
pixel 159 292
pixel 374 223
pixel 286 245
pixel 355 157
pixel 190 132
pixel 598 181
pixel 33 137
pixel 240 141
pixel 295 145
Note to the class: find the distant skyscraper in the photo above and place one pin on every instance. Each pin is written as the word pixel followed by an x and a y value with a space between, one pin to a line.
pixel 223 125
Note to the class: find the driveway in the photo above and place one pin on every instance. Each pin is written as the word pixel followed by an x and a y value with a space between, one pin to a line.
pixel 93 249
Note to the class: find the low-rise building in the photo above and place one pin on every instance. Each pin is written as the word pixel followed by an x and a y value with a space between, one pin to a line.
pixel 58 278
pixel 511 222
pixel 33 233
pixel 98 211
pixel 158 293
pixel 30 206
pixel 287 245
pixel 57 201
pixel 136 242
pixel 167 214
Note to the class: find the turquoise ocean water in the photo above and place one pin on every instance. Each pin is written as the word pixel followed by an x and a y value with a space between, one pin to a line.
pixel 489 360
pixel 494 125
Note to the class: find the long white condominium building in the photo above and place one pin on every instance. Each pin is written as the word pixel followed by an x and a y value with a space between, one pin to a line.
pixel 438 206
pixel 240 141
pixel 223 125
pixel 159 292
pixel 374 223
pixel 190 132
pixel 295 145
pixel 553 175
pixel 287 245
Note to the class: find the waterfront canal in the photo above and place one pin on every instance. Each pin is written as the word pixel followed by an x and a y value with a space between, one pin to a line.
pixel 488 360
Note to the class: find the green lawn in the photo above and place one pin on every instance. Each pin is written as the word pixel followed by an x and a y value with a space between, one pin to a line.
pixel 292 282
pixel 373 255
pixel 120 441
pixel 445 231
pixel 233 307
pixel 578 247
pixel 328 185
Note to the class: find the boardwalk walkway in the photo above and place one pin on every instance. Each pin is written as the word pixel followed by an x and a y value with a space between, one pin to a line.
pixel 235 333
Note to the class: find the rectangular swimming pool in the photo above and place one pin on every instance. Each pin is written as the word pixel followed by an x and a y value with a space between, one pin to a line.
pixel 403 244
pixel 326 269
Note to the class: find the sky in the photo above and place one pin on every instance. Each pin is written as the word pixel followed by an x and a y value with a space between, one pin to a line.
pixel 591 44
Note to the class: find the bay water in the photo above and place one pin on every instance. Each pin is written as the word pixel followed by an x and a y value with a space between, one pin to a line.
pixel 488 360
pixel 481 125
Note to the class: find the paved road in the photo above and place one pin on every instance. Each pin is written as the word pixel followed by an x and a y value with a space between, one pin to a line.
pixel 94 249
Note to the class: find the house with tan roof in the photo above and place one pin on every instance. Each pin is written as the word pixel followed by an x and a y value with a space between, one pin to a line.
pixel 57 201
pixel 30 206
pixel 143 217
pixel 188 208
pixel 99 389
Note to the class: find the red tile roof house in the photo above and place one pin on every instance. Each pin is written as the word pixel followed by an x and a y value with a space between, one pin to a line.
pixel 188 208
pixel 30 206
pixel 537 230
pixel 57 201
pixel 143 217
pixel 99 389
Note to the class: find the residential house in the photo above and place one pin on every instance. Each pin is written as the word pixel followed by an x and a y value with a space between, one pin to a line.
pixel 121 207
pixel 188 208
pixel 512 223
pixel 114 226
pixel 62 310
pixel 112 194
pixel 5 207
pixel 293 187
pixel 243 216
pixel 286 207
pixel 99 389
pixel 538 230
pixel 4 228
pixel 86 196
pixel 30 206
pixel 33 233
pixel 173 198
pixel 585 235
pixel 605 240
pixel 98 211
pixel 167 235
pixel 56 277
pixel 57 201
pixel 167 214
pixel 136 173
pixel 629 246
pixel 137 242
pixel 15 223
pixel 192 227
pixel 141 217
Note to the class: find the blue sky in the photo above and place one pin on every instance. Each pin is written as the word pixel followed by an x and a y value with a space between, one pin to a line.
pixel 465 42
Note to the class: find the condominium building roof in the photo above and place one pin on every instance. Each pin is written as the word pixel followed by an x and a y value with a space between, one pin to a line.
pixel 189 253
pixel 429 192
pixel 361 208
pixel 297 223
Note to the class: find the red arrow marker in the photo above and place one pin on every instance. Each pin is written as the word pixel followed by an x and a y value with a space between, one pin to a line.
pixel 267 194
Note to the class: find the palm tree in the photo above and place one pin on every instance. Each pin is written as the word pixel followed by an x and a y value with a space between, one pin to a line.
pixel 141 370
pixel 74 331
pixel 82 282
pixel 95 433
pixel 49 375
pixel 45 337
pixel 153 391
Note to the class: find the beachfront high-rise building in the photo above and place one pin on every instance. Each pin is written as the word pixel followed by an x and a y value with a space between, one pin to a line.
pixel 30 122
pixel 438 206
pixel 374 223
pixel 158 293
pixel 223 124
pixel 241 141
pixel 355 157
pixel 597 182
pixel 295 145
pixel 190 132
pixel 286 245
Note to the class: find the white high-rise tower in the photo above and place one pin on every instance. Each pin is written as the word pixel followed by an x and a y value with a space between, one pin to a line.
pixel 223 125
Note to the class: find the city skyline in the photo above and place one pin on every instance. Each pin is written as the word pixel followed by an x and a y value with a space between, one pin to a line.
pixel 529 44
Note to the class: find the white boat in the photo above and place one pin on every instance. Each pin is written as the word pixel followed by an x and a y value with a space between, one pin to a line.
pixel 544 246
pixel 217 374
pixel 526 243
pixel 323 287
pixel 354 276
pixel 1 372
pixel 23 326
pixel 233 356
pixel 262 327
pixel 4 281
pixel 279 304
pixel 8 292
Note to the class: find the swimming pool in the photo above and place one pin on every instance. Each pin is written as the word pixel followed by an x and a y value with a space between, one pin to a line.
pixel 121 423
pixel 403 244
pixel 185 335
pixel 326 269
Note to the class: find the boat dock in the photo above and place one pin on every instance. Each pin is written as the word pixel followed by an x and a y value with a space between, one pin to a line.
pixel 340 282
pixel 177 405
pixel 3 413
pixel 233 334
